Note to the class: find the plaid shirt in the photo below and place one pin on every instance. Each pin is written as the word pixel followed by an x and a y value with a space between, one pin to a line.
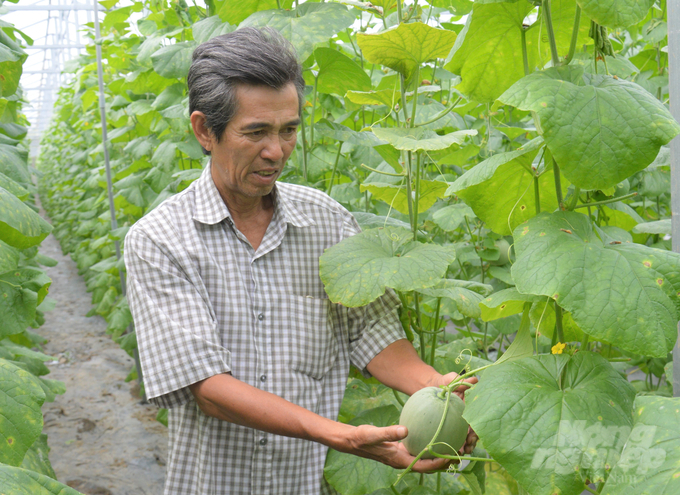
pixel 205 303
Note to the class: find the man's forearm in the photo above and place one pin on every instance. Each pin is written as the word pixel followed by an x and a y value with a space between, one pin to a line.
pixel 229 399
pixel 399 366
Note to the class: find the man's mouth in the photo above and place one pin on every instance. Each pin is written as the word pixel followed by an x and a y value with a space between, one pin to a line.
pixel 266 173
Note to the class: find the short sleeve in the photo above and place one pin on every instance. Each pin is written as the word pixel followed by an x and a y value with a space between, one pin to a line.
pixel 374 326
pixel 175 326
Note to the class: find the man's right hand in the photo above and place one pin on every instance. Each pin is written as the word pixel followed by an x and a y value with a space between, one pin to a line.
pixel 383 445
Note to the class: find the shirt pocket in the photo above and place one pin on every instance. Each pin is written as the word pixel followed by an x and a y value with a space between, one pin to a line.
pixel 313 347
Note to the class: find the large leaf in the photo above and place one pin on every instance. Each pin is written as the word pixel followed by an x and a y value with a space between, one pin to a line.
pixel 501 191
pixel 621 293
pixel 419 138
pixel 357 270
pixel 19 481
pixel 460 296
pixel 616 13
pixel 17 306
pixel 173 61
pixel 649 461
pixel 306 26
pixel 9 257
pixel 21 420
pixel 600 129
pixel 406 47
pixel 338 73
pixel 20 226
pixel 504 303
pixel 352 475
pixel 552 420
pixel 488 53
pixel 12 58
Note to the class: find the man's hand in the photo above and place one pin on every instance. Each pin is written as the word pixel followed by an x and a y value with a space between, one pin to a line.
pixel 383 445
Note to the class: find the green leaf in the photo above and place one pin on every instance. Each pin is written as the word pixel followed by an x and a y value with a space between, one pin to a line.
pixel 389 97
pixel 352 475
pixel 13 187
pixel 9 257
pixel 624 294
pixel 522 346
pixel 357 270
pixel 557 420
pixel 338 73
pixel 600 129
pixel 235 12
pixel 12 58
pixel 19 481
pixel 17 306
pixel 505 303
pixel 460 296
pixel 37 458
pixel 173 61
pixel 501 191
pixel 649 461
pixel 543 318
pixel 21 420
pixel 20 226
pixel 451 217
pixel 419 138
pixel 13 164
pixel 306 26
pixel 658 227
pixel 396 197
pixel 406 47
pixel 616 13
pixel 488 53
pixel 213 26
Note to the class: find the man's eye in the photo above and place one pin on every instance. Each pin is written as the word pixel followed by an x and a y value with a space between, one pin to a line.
pixel 258 133
pixel 289 130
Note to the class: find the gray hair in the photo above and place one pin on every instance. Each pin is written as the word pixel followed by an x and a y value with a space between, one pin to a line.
pixel 260 57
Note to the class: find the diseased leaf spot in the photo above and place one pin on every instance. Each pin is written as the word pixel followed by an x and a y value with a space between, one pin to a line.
pixel 542 234
pixel 544 104
pixel 503 306
pixel 567 231
pixel 10 440
pixel 555 296
pixel 523 207
pixel 525 230
pixel 659 281
pixel 676 475
pixel 648 264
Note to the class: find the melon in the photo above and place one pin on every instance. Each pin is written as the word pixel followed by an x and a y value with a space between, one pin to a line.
pixel 422 414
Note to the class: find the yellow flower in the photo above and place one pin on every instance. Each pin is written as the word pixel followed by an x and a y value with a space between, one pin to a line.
pixel 558 348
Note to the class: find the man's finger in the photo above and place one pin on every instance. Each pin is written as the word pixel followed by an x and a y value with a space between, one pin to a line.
pixel 371 435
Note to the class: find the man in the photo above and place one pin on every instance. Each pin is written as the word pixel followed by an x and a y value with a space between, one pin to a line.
pixel 236 336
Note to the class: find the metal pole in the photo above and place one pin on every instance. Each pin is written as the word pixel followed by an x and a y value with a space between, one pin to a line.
pixel 674 90
pixel 109 182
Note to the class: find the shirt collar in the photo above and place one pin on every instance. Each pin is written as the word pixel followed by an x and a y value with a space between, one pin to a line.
pixel 210 208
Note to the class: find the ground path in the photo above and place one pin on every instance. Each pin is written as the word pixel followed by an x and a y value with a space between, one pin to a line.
pixel 103 440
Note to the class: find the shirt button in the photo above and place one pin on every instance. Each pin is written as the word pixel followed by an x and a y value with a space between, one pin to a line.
pixel 263 441
pixel 263 378
pixel 260 317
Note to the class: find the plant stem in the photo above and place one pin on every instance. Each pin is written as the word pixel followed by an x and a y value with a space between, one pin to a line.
pixel 335 167
pixel 415 99
pixel 551 33
pixel 416 298
pixel 403 98
pixel 588 489
pixel 558 323
pixel 606 201
pixel 304 148
pixel 574 35
pixel 417 199
pixel 434 334
pixel 574 199
pixel 584 342
pixel 537 197
pixel 525 56
pixel 363 165
pixel 396 396
pixel 558 184
pixel 399 13
pixel 278 4
pixel 311 124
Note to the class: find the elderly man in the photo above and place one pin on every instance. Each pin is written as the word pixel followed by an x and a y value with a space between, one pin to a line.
pixel 236 336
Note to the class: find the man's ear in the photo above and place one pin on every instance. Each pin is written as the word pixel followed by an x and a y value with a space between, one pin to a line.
pixel 203 135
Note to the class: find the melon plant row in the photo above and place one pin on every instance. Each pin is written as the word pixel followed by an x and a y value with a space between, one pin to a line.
pixel 24 462
pixel 508 164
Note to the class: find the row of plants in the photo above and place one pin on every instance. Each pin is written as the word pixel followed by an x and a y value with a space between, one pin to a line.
pixel 24 460
pixel 507 161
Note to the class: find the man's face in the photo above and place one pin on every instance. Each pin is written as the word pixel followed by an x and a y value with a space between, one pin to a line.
pixel 256 143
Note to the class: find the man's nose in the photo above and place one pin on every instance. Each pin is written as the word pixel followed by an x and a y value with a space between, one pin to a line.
pixel 273 150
